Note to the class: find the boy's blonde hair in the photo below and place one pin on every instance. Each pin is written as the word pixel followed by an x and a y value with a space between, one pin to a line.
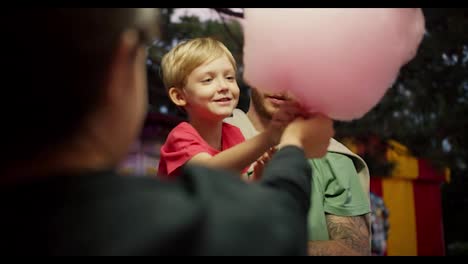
pixel 178 63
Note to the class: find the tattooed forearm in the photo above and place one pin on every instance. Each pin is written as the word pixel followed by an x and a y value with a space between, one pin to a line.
pixel 349 235
pixel 329 248
pixel 352 230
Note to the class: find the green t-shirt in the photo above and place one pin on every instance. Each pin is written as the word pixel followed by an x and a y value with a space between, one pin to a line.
pixel 336 189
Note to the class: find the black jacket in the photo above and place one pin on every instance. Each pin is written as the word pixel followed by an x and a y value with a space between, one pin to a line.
pixel 204 212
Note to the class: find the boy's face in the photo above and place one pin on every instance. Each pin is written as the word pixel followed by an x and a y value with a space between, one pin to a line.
pixel 211 91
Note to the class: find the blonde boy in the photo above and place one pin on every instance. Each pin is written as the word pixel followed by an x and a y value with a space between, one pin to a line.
pixel 200 76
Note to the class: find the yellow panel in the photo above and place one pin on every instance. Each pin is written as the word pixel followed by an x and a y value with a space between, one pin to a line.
pixel 349 143
pixel 151 170
pixel 399 198
pixel 406 166
pixel 447 175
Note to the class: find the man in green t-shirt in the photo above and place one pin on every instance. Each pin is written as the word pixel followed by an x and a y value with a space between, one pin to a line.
pixel 340 205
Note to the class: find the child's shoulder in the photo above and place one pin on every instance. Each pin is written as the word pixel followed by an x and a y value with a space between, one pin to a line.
pixel 232 134
pixel 184 128
pixel 183 134
pixel 230 128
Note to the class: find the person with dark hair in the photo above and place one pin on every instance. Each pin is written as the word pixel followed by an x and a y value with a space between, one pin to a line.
pixel 78 79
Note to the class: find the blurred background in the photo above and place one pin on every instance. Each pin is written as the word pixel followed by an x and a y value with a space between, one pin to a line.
pixel 413 140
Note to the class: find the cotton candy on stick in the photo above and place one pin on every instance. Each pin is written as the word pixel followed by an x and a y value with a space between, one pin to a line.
pixel 336 61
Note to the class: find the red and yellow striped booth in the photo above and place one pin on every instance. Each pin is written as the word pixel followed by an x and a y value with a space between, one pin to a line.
pixel 413 196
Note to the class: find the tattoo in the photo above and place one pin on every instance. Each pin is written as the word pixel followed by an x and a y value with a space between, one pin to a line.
pixel 349 235
pixel 352 230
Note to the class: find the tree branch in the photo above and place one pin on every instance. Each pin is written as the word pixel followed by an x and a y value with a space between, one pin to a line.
pixel 233 37
pixel 229 12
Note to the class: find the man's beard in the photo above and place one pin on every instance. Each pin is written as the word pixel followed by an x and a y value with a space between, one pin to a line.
pixel 258 103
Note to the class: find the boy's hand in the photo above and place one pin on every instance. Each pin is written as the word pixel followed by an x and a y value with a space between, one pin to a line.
pixel 261 163
pixel 311 134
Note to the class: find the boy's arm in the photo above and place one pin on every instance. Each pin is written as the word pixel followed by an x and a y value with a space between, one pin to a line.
pixel 237 157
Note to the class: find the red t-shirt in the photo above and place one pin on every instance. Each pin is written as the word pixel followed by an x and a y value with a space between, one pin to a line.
pixel 184 142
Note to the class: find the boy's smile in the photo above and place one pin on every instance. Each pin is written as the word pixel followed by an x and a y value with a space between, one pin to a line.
pixel 224 101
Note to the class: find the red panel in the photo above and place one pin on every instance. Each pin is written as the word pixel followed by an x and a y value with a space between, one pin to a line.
pixel 429 173
pixel 376 186
pixel 429 227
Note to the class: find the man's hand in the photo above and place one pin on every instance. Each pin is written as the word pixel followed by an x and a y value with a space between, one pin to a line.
pixel 311 134
pixel 287 112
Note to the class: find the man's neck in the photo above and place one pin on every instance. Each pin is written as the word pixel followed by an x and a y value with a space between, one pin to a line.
pixel 259 122
pixel 209 130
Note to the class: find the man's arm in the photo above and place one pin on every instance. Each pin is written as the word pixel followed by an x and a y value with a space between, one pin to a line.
pixel 239 215
pixel 283 172
pixel 349 236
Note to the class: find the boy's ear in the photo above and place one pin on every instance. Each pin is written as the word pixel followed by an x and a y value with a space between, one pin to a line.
pixel 177 96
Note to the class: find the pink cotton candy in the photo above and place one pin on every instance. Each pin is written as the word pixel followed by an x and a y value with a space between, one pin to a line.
pixel 336 61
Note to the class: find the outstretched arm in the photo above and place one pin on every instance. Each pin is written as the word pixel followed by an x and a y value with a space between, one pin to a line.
pixel 244 154
pixel 237 157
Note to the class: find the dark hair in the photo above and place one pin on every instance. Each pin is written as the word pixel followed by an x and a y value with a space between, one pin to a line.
pixel 55 62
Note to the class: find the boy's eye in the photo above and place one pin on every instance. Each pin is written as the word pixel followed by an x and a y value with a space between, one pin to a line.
pixel 231 78
pixel 207 80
